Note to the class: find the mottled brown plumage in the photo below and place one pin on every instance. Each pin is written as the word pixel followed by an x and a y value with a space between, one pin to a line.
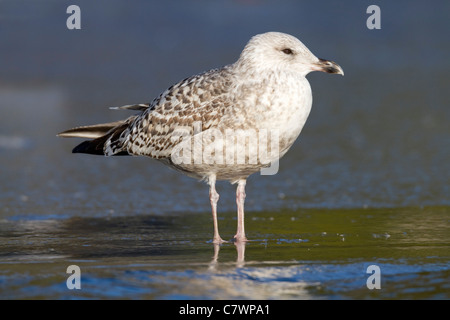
pixel 223 124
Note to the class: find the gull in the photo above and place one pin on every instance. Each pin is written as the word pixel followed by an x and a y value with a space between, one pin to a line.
pixel 186 127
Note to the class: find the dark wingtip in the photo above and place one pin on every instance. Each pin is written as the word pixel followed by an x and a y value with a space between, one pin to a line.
pixel 94 147
pixel 89 147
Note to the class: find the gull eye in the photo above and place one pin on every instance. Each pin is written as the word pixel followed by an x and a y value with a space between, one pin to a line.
pixel 287 51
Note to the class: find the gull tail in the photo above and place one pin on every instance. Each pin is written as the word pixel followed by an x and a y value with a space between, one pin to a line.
pixel 101 134
pixel 107 137
pixel 91 132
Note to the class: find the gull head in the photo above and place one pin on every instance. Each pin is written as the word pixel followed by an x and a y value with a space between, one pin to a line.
pixel 281 52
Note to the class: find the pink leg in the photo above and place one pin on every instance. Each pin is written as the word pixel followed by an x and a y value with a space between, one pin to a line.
pixel 213 198
pixel 240 199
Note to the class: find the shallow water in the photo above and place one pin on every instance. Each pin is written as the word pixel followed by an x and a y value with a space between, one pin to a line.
pixel 367 183
pixel 304 254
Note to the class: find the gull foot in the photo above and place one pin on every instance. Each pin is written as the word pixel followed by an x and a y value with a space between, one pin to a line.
pixel 218 240
pixel 240 239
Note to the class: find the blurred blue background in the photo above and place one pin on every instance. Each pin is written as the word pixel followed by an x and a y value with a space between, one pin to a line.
pixel 367 182
pixel 377 137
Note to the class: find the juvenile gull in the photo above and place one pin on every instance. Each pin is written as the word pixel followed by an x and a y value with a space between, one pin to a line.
pixel 264 90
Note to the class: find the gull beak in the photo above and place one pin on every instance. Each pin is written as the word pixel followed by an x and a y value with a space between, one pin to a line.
pixel 328 67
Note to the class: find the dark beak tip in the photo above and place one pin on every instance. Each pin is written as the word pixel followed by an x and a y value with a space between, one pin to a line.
pixel 330 67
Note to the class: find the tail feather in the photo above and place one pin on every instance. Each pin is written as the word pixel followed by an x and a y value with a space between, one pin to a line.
pixel 101 134
pixel 106 136
pixel 139 107
pixel 90 132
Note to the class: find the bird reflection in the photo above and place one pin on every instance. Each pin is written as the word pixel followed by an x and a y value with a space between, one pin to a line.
pixel 240 248
pixel 240 260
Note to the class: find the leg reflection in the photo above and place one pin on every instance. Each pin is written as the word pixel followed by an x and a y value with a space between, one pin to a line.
pixel 240 260
pixel 213 263
pixel 240 248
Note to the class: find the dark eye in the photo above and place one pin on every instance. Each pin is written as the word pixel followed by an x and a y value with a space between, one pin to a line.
pixel 287 51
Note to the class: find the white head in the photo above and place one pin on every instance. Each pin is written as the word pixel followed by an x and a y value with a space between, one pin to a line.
pixel 278 51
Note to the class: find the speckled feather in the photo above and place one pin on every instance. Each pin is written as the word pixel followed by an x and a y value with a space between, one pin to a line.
pixel 265 89
pixel 200 98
